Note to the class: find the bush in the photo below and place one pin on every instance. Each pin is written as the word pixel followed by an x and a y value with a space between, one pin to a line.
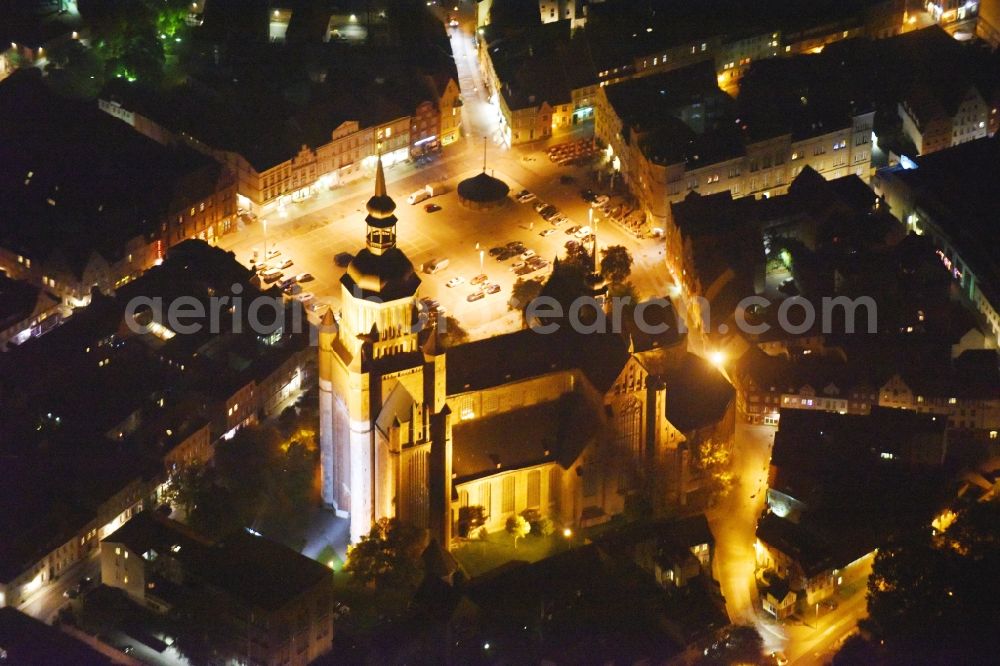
pixel 470 518
pixel 542 527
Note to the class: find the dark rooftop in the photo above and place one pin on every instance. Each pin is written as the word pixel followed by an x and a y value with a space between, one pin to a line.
pixel 86 181
pixel 25 640
pixel 957 187
pixel 551 431
pixel 263 573
pixel 697 394
pixel 524 354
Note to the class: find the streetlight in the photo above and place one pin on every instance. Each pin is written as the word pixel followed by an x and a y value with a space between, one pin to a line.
pixel 717 358
pixel 482 253
pixel 264 223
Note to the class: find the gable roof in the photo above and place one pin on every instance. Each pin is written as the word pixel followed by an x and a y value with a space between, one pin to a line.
pixel 524 354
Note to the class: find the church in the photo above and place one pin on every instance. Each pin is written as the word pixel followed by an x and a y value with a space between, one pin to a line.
pixel 567 425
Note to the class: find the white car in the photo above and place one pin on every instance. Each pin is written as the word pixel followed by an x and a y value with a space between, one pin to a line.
pixel 318 306
pixel 305 298
pixel 599 201
pixel 527 254
pixel 455 281
pixel 546 232
pixel 583 232
pixel 303 277
pixel 516 265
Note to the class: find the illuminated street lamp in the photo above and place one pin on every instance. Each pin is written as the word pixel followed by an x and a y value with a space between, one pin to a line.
pixel 717 358
pixel 264 223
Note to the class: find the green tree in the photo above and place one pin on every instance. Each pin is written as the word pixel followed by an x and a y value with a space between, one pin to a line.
pixel 616 264
pixel 388 556
pixel 523 293
pixel 452 333
pixel 74 70
pixel 518 527
pixel 713 458
pixel 742 645
pixel 932 598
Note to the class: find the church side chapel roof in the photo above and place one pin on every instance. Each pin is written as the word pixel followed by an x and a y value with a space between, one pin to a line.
pixel 524 354
pixel 557 430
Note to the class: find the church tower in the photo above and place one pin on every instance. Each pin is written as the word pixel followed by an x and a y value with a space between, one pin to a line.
pixel 359 358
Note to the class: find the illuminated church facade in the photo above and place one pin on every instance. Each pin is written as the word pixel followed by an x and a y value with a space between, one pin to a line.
pixel 567 425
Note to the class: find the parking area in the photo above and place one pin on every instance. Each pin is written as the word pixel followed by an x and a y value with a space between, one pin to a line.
pixel 312 240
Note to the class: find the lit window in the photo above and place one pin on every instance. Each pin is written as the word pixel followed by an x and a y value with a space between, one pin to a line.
pixel 118 551
pixel 952 401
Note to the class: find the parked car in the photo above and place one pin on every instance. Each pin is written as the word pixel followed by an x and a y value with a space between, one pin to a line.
pixel 319 306
pixel 516 265
pixel 538 262
pixel 432 208
pixel 306 297
pixel 479 279
pixel 599 200
pixel 494 251
pixel 455 281
pixel 436 266
pixel 546 232
pixel 286 283
pixel 417 196
pixel 272 275
pixel 583 231
pixel 549 213
pixel 287 263
pixel 492 288
pixel 527 254
pixel 539 205
pixel 572 230
pixel 476 296
pixel 292 289
pixel 588 195
pixel 524 270
pixel 304 277
pixel 515 245
pixel 505 255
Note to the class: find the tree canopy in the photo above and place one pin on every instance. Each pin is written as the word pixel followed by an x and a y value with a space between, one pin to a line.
pixel 388 556
pixel 932 597
pixel 616 263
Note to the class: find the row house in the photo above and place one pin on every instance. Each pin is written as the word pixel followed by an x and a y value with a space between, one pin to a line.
pixel 937 119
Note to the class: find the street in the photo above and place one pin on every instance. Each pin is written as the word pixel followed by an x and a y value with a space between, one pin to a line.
pixel 734 523
pixel 45 602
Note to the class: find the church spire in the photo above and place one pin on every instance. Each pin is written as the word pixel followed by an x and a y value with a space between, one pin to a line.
pixel 381 219
pixel 379 179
